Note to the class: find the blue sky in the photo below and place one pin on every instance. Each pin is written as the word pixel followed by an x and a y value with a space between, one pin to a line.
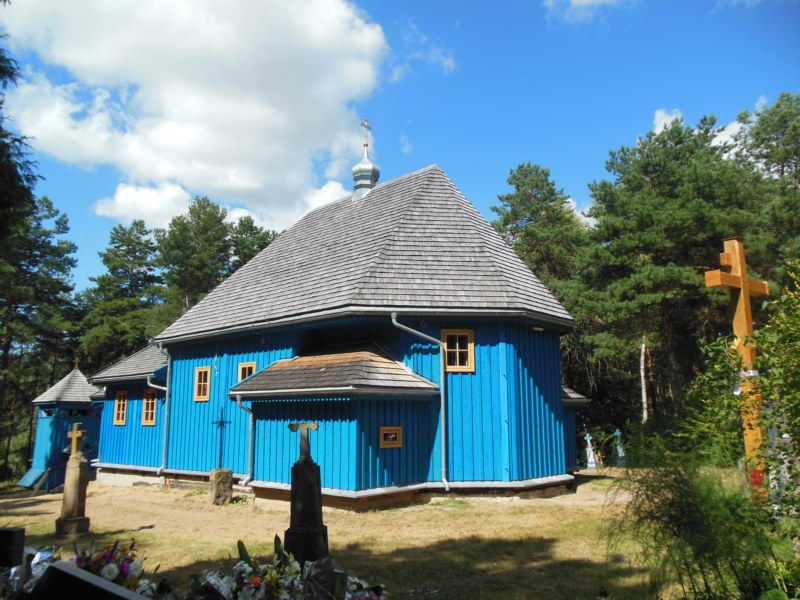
pixel 135 107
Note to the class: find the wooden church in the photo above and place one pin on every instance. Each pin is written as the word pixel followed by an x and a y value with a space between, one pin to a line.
pixel 68 401
pixel 397 319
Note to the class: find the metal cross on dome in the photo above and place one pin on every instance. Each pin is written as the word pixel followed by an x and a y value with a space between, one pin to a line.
pixel 367 129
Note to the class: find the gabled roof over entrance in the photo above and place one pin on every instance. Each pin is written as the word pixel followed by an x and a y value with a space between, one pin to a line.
pixel 344 371
pixel 414 243
pixel 73 388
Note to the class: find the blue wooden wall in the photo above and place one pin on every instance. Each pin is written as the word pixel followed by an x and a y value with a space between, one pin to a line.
pixel 570 437
pixel 132 443
pixel 536 420
pixel 194 439
pixel 505 420
pixel 51 440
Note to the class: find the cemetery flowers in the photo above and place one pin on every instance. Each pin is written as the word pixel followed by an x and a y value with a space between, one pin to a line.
pixel 282 578
pixel 118 564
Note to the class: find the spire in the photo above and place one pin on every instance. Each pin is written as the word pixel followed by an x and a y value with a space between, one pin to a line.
pixel 365 173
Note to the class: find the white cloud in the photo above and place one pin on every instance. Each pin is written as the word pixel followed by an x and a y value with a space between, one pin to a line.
pixel 577 10
pixel 417 48
pixel 591 222
pixel 663 118
pixel 240 104
pixel 154 205
pixel 405 145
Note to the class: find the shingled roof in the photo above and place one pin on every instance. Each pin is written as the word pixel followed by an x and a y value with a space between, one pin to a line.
pixel 347 371
pixel 134 367
pixel 411 244
pixel 72 388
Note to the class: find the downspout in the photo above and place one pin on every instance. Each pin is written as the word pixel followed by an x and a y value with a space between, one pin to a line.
pixel 442 391
pixel 250 440
pixel 165 352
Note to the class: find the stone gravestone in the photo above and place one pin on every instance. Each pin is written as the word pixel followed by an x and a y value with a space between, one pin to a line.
pixel 591 463
pixel 221 480
pixel 73 520
pixel 620 458
pixel 307 536
pixel 12 546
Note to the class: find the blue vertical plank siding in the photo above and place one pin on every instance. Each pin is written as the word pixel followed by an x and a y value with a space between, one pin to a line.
pixel 52 440
pixel 194 437
pixel 505 421
pixel 570 437
pixel 536 416
pixel 277 448
pixel 133 443
pixel 408 464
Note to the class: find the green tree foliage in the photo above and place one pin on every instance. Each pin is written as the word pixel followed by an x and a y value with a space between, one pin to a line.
pixel 195 251
pixel 120 308
pixel 778 362
pixel 770 144
pixel 35 284
pixel 537 219
pixel 17 174
pixel 247 240
pixel 660 221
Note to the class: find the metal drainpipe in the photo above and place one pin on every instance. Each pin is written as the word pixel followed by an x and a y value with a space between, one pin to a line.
pixel 250 440
pixel 442 391
pixel 165 352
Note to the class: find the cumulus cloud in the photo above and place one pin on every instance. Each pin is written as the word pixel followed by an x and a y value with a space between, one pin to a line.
pixel 249 104
pixel 417 48
pixel 577 10
pixel 154 205
pixel 663 118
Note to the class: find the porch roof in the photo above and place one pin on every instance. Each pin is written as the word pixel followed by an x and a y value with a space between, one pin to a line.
pixel 344 371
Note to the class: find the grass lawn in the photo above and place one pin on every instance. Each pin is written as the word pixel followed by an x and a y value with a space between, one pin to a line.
pixel 459 547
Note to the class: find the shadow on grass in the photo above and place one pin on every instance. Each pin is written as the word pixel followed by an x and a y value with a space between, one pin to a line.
pixel 472 568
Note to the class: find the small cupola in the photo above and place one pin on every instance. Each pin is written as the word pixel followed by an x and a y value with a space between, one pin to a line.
pixel 365 173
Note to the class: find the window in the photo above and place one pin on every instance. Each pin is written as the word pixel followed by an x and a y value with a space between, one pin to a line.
pixel 202 380
pixel 246 369
pixel 459 348
pixel 391 437
pixel 120 407
pixel 149 407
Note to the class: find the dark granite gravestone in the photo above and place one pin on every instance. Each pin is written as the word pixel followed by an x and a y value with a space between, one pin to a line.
pixel 12 546
pixel 307 536
pixel 73 520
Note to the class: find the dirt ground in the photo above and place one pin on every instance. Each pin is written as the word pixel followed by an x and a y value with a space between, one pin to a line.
pixel 178 529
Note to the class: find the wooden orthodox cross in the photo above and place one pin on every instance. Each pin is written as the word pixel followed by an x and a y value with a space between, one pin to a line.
pixel 741 288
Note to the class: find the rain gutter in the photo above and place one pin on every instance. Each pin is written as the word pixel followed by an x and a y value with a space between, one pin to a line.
pixel 442 391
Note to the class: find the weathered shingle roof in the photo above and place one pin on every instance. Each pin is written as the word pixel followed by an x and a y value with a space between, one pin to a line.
pixel 413 243
pixel 136 366
pixel 345 371
pixel 73 388
pixel 569 396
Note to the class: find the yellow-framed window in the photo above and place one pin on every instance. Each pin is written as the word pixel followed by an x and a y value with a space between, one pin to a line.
pixel 149 407
pixel 202 384
pixel 459 348
pixel 246 369
pixel 120 407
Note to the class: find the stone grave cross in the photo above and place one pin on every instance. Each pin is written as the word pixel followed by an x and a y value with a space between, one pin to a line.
pixel 591 463
pixel 307 536
pixel 741 288
pixel 73 520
